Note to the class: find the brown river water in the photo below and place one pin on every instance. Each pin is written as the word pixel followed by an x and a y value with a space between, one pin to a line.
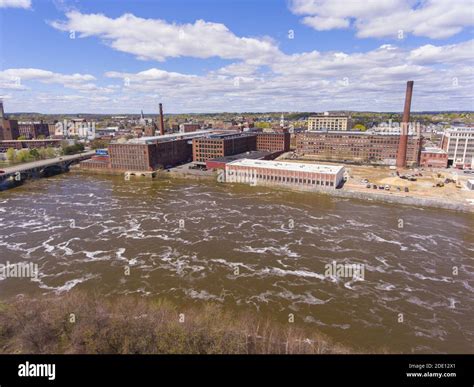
pixel 251 249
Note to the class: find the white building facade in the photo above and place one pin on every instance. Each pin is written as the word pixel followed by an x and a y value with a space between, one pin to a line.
pixel 265 172
pixel 459 143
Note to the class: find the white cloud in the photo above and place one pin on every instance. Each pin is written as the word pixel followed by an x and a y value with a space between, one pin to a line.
pixel 16 79
pixel 15 4
pixel 385 18
pixel 308 81
pixel 154 39
pixel 454 53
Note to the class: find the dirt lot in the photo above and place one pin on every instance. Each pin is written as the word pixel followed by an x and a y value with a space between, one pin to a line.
pixel 424 186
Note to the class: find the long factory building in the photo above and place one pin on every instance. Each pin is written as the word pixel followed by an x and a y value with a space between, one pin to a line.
pixel 265 172
pixel 363 147
pixel 148 154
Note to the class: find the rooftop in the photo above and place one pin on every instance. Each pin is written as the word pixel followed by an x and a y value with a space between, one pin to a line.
pixel 253 155
pixel 168 137
pixel 297 167
pixel 357 133
pixel 228 135
pixel 433 149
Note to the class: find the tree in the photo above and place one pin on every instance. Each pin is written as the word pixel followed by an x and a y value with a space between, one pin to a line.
pixel 50 152
pixel 360 127
pixel 98 144
pixel 11 155
pixel 23 155
pixel 22 137
pixel 34 154
pixel 73 149
pixel 262 125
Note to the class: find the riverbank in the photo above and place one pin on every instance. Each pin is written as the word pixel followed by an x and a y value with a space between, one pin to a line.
pixel 345 192
pixel 81 323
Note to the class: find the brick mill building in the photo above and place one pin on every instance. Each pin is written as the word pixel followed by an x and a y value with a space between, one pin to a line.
pixel 364 147
pixel 222 144
pixel 433 158
pixel 227 144
pixel 32 130
pixel 8 128
pixel 147 154
pixel 273 141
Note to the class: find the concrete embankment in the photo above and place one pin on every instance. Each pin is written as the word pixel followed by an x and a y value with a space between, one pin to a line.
pixel 405 200
pixel 342 193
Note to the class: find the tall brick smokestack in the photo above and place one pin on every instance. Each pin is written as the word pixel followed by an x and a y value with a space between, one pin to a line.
pixel 2 113
pixel 403 144
pixel 162 124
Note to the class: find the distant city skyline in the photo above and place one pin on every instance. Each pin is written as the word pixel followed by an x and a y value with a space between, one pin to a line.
pixel 103 57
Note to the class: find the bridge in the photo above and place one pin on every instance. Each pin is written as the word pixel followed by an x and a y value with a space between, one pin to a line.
pixel 42 168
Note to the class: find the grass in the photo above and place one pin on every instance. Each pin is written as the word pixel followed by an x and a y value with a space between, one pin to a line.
pixel 78 323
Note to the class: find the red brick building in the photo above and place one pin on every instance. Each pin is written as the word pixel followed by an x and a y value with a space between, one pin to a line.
pixel 433 158
pixel 28 144
pixel 8 130
pixel 223 144
pixel 188 127
pixel 273 142
pixel 149 155
pixel 32 130
pixel 364 147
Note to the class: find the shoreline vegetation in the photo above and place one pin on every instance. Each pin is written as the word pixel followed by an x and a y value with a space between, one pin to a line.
pixel 83 323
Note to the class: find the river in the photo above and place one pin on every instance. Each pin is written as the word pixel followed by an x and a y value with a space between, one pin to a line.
pixel 252 249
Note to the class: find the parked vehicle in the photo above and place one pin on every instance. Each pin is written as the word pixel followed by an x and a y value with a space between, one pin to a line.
pixel 368 185
pixel 406 189
pixel 387 187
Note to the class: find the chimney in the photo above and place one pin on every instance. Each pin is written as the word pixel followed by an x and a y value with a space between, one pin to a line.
pixel 403 144
pixel 2 113
pixel 162 125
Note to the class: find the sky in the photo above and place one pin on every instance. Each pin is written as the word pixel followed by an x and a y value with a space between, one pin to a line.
pixel 199 56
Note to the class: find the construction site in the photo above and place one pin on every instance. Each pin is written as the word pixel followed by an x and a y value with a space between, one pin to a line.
pixel 443 187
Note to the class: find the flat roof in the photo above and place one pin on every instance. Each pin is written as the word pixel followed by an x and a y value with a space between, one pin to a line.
pixel 429 149
pixel 253 155
pixel 167 137
pixel 229 135
pixel 297 167
pixel 368 132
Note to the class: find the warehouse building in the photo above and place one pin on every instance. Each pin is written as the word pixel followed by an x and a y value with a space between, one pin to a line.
pixel 221 162
pixel 264 172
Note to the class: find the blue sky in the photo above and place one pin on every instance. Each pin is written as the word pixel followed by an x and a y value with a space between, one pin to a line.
pixel 241 55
